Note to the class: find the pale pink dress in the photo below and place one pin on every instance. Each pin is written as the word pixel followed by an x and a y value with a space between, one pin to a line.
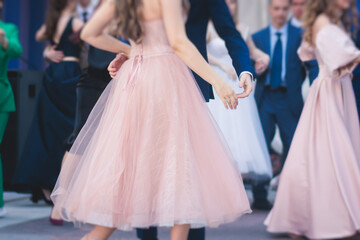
pixel 319 192
pixel 150 154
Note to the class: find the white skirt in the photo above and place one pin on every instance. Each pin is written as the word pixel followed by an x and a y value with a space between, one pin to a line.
pixel 243 132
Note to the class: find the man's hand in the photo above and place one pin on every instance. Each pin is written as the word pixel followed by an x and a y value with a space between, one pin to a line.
pixel 246 83
pixel 116 64
pixel 53 55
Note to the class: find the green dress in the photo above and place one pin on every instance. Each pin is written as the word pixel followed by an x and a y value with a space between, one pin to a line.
pixel 7 103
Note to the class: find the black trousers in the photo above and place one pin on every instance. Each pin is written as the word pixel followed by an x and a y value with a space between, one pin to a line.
pixel 91 84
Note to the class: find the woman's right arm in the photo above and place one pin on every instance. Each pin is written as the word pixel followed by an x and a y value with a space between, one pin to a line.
pixel 94 34
pixel 188 53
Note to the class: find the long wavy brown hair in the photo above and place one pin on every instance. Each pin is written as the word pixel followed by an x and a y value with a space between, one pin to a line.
pixel 314 8
pixel 129 18
pixel 52 17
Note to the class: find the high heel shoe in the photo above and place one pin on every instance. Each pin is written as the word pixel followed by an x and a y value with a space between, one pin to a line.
pixel 38 195
pixel 56 222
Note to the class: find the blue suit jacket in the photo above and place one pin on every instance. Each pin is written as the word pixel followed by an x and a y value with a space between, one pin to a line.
pixel 357 42
pixel 200 13
pixel 295 70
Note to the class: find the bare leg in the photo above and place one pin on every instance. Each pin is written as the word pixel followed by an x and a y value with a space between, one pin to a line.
pixel 180 232
pixel 54 213
pixel 99 233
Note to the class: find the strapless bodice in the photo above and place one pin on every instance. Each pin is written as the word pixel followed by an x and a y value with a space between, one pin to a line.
pixel 155 40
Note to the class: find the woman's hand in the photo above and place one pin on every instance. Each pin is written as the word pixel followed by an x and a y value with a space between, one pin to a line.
pixel 53 55
pixel 226 94
pixel 116 64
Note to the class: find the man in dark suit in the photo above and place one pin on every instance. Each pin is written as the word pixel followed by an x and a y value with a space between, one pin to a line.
pixel 356 79
pixel 201 11
pixel 278 90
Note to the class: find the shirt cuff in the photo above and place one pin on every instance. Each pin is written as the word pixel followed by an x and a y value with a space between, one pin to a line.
pixel 247 72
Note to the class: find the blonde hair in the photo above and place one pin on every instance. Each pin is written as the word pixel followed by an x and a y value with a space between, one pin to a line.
pixel 314 8
pixel 128 19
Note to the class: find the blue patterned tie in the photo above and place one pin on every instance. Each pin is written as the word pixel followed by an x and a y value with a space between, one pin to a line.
pixel 276 65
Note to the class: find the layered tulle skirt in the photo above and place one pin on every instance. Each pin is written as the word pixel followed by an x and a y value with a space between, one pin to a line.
pixel 150 154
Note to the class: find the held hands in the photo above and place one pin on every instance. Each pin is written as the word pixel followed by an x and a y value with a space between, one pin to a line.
pixel 226 94
pixel 53 55
pixel 246 83
pixel 116 64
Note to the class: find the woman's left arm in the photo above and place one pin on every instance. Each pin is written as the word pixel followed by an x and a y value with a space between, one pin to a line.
pixel 94 34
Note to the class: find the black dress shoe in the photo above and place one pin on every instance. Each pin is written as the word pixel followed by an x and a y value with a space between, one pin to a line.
pixel 38 195
pixel 264 205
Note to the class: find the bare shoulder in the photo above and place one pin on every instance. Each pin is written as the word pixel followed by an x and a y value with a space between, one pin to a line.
pixel 321 21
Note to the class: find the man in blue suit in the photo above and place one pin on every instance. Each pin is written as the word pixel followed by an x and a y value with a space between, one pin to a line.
pixel 278 90
pixel 201 11
pixel 356 80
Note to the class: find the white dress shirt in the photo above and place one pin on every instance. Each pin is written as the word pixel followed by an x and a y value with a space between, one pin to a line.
pixel 273 40
pixel 80 11
pixel 296 22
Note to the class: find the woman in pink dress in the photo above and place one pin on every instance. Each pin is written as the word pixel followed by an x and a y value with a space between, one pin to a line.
pixel 319 192
pixel 150 153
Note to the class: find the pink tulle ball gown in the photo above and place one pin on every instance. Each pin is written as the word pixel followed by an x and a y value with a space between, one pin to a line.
pixel 150 154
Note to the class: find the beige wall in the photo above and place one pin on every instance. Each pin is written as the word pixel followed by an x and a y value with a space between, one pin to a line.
pixel 253 13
